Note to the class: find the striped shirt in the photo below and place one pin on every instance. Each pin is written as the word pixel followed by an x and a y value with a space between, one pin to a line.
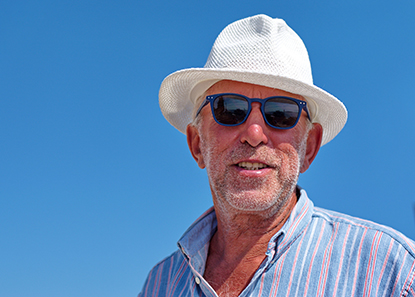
pixel 316 253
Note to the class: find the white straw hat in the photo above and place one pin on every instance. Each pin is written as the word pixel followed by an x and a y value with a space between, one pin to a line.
pixel 257 50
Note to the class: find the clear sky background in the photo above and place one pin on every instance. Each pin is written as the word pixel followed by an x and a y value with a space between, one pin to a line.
pixel 96 187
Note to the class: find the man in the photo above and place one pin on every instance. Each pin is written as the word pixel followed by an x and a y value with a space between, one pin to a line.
pixel 255 121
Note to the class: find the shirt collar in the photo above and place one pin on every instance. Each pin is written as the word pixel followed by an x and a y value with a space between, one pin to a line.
pixel 194 243
pixel 199 233
pixel 293 227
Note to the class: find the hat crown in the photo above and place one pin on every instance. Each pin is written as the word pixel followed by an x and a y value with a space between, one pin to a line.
pixel 264 45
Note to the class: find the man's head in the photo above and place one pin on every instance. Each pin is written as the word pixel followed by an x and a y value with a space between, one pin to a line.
pixel 252 166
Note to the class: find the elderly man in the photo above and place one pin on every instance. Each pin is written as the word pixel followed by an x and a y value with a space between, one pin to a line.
pixel 255 121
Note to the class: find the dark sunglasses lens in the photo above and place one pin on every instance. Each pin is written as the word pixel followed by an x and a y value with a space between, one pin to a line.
pixel 230 109
pixel 281 112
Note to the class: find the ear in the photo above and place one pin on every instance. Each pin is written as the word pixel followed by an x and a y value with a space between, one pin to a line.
pixel 193 141
pixel 313 146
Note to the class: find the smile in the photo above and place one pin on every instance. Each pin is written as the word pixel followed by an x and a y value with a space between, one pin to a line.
pixel 252 166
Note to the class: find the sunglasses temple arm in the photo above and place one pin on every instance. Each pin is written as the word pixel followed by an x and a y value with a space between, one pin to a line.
pixel 308 114
pixel 201 106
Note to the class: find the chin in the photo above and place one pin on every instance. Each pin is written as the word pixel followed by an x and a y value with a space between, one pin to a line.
pixel 249 202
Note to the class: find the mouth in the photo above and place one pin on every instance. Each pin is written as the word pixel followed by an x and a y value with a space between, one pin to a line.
pixel 252 166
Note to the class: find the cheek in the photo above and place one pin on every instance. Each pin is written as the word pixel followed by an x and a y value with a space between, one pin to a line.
pixel 291 160
pixel 293 142
pixel 210 150
pixel 217 139
pixel 288 149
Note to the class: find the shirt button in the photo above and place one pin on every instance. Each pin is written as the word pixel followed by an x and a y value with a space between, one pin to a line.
pixel 197 280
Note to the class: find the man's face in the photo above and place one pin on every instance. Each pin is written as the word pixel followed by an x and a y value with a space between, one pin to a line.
pixel 251 167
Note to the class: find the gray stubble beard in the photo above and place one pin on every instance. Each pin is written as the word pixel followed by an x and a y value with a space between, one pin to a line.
pixel 275 204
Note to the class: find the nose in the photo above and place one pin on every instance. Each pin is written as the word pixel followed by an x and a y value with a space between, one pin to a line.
pixel 254 127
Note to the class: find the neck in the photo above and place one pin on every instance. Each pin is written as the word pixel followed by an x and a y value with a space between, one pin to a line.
pixel 238 247
pixel 247 233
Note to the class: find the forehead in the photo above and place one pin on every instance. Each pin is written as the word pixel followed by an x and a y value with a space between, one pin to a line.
pixel 249 90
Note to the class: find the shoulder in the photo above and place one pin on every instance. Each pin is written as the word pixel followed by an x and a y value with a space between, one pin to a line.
pixel 167 266
pixel 365 229
pixel 165 276
pixel 161 272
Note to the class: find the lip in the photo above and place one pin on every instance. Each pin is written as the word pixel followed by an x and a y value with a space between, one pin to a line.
pixel 253 161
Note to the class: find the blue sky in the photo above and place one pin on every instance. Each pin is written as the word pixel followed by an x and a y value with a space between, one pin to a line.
pixel 96 187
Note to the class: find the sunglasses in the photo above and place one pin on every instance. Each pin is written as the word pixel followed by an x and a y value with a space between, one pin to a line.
pixel 233 109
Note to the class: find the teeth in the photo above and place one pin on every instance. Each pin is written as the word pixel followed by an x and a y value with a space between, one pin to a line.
pixel 252 166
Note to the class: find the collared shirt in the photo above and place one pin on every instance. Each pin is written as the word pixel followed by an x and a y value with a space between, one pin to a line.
pixel 316 253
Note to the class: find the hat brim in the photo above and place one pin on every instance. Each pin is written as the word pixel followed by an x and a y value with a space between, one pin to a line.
pixel 180 89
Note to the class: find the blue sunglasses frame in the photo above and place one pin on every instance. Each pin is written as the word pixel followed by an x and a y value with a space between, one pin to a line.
pixel 211 98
